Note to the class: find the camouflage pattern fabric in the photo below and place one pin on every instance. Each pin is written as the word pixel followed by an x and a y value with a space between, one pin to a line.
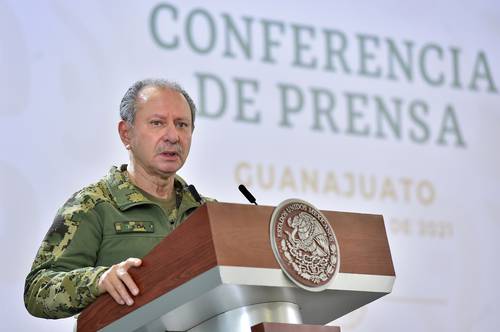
pixel 101 225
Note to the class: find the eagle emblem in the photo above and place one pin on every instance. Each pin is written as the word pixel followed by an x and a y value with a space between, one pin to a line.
pixel 304 244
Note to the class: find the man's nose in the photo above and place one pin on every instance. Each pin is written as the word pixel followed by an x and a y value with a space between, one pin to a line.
pixel 171 135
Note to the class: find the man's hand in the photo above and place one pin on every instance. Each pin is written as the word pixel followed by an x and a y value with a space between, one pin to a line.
pixel 117 282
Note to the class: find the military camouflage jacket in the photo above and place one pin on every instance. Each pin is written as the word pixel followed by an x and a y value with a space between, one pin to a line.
pixel 101 225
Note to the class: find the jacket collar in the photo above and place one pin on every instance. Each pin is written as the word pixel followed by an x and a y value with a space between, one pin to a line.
pixel 126 195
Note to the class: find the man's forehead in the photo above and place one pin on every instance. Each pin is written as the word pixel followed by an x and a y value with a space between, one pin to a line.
pixel 151 97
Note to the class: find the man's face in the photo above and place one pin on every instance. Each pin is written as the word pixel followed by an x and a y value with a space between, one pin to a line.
pixel 160 138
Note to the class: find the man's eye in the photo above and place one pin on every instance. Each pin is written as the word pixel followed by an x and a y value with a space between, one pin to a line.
pixel 182 124
pixel 155 123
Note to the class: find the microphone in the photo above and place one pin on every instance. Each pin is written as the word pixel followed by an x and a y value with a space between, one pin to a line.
pixel 247 194
pixel 195 194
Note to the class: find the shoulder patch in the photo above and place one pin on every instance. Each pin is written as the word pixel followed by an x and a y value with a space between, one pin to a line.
pixel 85 199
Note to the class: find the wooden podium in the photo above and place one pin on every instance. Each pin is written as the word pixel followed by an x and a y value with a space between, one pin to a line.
pixel 217 272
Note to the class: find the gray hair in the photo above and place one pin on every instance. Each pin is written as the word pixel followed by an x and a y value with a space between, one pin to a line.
pixel 129 100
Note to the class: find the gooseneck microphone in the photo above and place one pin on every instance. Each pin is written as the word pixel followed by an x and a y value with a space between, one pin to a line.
pixel 195 194
pixel 247 194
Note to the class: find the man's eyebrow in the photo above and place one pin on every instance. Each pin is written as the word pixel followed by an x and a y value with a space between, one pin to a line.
pixel 184 118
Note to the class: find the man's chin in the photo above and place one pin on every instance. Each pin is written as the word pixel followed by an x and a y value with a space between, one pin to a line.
pixel 168 170
pixel 166 173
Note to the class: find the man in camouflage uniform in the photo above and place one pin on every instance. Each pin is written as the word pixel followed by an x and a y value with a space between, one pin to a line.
pixel 105 228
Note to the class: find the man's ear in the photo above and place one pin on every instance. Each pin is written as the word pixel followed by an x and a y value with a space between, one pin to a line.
pixel 124 129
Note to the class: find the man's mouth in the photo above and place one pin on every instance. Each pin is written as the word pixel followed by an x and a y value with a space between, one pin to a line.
pixel 169 153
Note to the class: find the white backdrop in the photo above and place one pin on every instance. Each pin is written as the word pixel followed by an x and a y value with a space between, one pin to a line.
pixel 311 121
